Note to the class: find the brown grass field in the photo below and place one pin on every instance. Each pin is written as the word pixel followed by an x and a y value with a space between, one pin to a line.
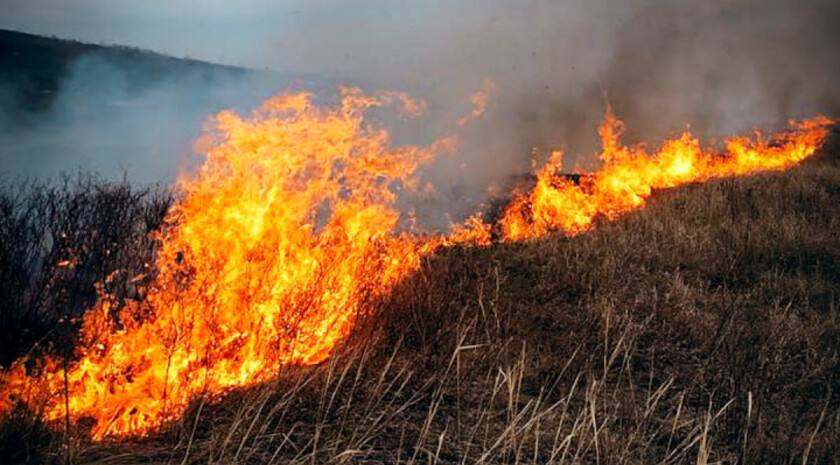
pixel 702 329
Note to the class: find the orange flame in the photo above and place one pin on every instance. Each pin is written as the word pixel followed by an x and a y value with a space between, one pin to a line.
pixel 630 174
pixel 277 244
pixel 289 231
pixel 479 101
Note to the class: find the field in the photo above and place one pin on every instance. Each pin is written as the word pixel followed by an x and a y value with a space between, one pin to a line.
pixel 703 328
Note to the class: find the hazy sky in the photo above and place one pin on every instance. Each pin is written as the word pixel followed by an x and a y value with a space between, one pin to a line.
pixel 218 30
pixel 375 40
pixel 540 44
pixel 255 33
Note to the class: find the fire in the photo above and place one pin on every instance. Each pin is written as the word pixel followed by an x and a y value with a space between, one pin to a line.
pixel 285 234
pixel 289 231
pixel 479 100
pixel 630 174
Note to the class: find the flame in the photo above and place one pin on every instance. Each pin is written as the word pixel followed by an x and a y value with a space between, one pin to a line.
pixel 630 174
pixel 285 234
pixel 289 231
pixel 479 101
pixel 473 231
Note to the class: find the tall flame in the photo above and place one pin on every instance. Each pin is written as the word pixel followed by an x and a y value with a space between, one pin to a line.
pixel 289 230
pixel 285 233
pixel 629 174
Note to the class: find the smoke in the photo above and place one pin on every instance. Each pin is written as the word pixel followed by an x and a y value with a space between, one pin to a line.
pixel 717 67
pixel 725 66
pixel 118 117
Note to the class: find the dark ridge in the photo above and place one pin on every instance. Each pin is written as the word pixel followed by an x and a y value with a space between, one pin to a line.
pixel 33 68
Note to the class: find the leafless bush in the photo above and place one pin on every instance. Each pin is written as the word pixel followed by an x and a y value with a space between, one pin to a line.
pixel 58 242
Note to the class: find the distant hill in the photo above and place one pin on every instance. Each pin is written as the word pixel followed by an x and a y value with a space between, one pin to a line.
pixel 67 105
pixel 34 67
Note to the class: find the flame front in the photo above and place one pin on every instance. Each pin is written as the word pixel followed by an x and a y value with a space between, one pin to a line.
pixel 629 175
pixel 283 236
pixel 289 231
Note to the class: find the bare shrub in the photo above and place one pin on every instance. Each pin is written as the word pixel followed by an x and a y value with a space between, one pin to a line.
pixel 58 242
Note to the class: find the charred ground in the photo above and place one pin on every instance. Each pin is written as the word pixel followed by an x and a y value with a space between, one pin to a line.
pixel 703 328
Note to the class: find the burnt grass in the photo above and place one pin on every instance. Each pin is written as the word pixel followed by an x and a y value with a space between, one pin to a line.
pixel 704 328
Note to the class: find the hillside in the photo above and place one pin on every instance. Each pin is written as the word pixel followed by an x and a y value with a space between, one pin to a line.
pixel 32 68
pixel 701 329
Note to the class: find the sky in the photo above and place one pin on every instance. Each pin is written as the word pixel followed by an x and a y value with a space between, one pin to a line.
pixel 549 46
pixel 255 33
pixel 176 27
pixel 387 41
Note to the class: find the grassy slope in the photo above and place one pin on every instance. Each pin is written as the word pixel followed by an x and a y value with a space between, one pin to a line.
pixel 703 328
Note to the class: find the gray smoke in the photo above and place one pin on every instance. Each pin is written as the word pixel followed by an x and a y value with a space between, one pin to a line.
pixel 104 120
pixel 718 67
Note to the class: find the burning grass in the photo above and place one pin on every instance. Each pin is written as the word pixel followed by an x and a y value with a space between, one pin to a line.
pixel 701 328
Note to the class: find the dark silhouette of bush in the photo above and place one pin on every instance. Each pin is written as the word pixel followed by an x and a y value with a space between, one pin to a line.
pixel 59 243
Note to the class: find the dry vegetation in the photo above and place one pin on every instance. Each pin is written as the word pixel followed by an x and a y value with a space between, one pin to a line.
pixel 702 329
pixel 58 242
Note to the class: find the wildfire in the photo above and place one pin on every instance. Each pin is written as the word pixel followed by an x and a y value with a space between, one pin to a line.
pixel 277 244
pixel 289 231
pixel 479 100
pixel 629 174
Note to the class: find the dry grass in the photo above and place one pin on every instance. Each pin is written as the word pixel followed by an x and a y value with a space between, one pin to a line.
pixel 703 329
